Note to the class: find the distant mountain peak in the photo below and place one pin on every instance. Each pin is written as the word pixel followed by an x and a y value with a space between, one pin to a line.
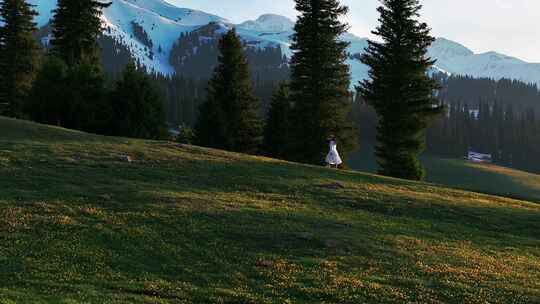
pixel 269 23
pixel 448 49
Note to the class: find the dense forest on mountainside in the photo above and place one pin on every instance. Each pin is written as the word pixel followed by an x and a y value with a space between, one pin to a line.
pixel 195 54
pixel 488 116
pixel 485 115
pixel 114 55
pixel 194 58
pixel 474 91
pixel 141 35
pixel 498 126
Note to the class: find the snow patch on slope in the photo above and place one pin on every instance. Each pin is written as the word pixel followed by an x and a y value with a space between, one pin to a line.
pixel 163 22
pixel 183 16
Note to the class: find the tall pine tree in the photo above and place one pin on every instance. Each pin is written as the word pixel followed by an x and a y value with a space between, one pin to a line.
pixel 72 97
pixel 277 128
pixel 230 119
pixel 320 81
pixel 76 27
pixel 81 101
pixel 399 87
pixel 137 106
pixel 47 102
pixel 18 53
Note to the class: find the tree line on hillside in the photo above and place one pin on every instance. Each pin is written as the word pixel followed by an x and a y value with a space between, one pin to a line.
pixel 488 116
pixel 473 91
pixel 244 99
pixel 68 86
pixel 18 54
pixel 316 105
pixel 195 55
pixel 183 96
pixel 184 91
pixel 511 136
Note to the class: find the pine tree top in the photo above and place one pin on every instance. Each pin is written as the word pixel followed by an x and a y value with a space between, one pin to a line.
pixel 17 13
pixel 76 27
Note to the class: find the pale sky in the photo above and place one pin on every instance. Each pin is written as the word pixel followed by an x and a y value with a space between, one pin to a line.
pixel 511 27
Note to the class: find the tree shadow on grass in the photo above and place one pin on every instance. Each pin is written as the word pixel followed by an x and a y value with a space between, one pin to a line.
pixel 130 186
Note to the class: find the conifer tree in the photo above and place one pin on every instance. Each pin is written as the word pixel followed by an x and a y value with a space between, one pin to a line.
pixel 277 128
pixel 81 96
pixel 88 109
pixel 230 119
pixel 399 87
pixel 76 27
pixel 48 102
pixel 320 81
pixel 137 106
pixel 18 53
pixel 71 97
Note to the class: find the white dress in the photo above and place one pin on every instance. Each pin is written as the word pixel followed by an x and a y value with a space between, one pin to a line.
pixel 333 157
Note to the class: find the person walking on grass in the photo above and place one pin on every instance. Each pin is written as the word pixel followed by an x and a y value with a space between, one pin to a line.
pixel 333 160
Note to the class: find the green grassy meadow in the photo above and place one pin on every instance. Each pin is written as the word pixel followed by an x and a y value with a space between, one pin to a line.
pixel 183 224
pixel 459 173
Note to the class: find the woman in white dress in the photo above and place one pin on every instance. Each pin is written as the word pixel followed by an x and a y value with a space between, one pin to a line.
pixel 333 159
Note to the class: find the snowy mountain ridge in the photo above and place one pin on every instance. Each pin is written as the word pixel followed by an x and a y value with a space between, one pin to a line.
pixel 164 23
pixel 269 23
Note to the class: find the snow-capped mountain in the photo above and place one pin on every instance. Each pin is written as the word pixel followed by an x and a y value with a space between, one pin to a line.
pixel 269 23
pixel 457 59
pixel 160 8
pixel 163 23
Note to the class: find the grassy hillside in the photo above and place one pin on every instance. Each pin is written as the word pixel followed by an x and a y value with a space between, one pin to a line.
pixel 183 224
pixel 466 175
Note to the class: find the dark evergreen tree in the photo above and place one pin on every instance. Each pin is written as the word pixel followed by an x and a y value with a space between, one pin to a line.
pixel 473 90
pixel 230 119
pixel 277 128
pixel 18 54
pixel 320 82
pixel 88 109
pixel 399 87
pixel 195 55
pixel 141 35
pixel 137 106
pixel 81 101
pixel 115 56
pixel 210 125
pixel 71 97
pixel 48 102
pixel 76 28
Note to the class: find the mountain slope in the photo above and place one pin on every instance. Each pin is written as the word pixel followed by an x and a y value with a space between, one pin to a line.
pixel 167 11
pixel 457 59
pixel 183 224
pixel 269 23
pixel 162 22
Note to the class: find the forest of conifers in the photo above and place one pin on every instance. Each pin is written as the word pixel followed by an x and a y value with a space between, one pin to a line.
pixel 501 118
